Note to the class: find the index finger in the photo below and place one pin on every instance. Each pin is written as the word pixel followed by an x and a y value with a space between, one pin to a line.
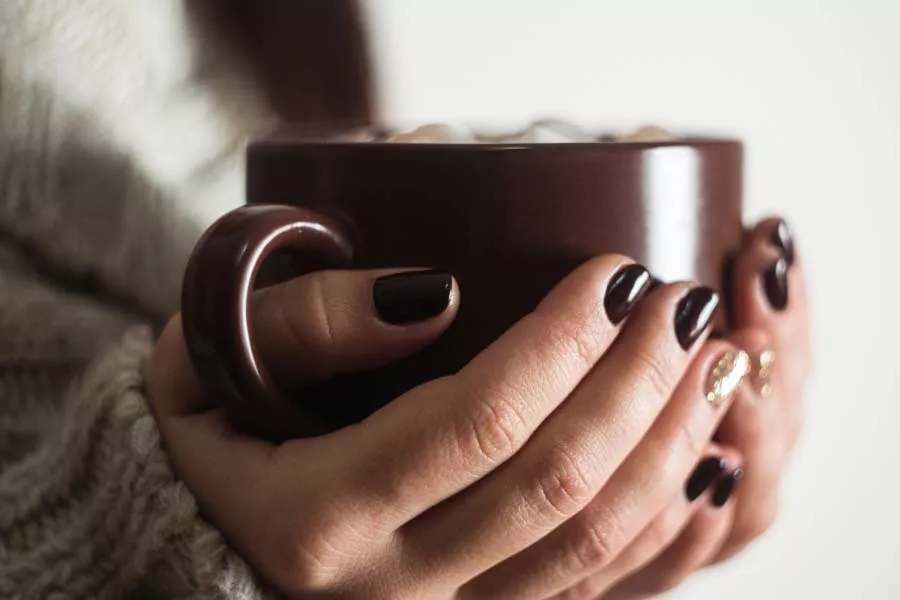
pixel 442 437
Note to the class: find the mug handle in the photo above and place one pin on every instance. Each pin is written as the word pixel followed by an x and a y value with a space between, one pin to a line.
pixel 216 322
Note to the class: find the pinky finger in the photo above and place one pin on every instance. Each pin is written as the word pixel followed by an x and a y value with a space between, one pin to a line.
pixel 665 529
pixel 698 543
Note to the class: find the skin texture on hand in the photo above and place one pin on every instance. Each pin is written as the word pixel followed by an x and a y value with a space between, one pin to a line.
pixel 558 456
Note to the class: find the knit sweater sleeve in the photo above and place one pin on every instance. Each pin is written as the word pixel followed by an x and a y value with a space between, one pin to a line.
pixel 89 505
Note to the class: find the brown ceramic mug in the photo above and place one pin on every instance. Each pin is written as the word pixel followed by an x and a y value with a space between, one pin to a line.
pixel 507 220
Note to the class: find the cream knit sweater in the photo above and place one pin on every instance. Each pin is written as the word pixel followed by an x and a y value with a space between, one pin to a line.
pixel 121 137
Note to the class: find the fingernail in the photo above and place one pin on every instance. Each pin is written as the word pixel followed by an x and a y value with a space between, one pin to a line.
pixel 625 289
pixel 784 241
pixel 726 376
pixel 409 297
pixel 763 363
pixel 706 472
pixel 776 284
pixel 725 488
pixel 693 315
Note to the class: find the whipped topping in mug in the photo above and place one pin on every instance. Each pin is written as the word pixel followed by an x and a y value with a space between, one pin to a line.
pixel 543 131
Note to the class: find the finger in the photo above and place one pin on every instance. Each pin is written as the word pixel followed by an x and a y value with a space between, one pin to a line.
pixel 769 292
pixel 665 528
pixel 739 538
pixel 757 423
pixel 330 322
pixel 693 548
pixel 444 436
pixel 761 425
pixel 575 453
pixel 645 480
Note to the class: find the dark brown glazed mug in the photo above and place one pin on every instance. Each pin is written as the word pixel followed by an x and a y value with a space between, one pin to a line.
pixel 507 220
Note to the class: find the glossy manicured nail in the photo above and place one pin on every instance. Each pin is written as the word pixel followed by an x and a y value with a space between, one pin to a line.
pixel 706 472
pixel 726 376
pixel 404 298
pixel 725 488
pixel 784 241
pixel 693 315
pixel 625 289
pixel 775 283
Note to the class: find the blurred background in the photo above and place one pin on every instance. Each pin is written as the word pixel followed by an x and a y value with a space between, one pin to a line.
pixel 813 89
pixel 811 86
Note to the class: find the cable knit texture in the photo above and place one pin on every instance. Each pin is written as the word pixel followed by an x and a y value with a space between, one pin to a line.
pixel 121 134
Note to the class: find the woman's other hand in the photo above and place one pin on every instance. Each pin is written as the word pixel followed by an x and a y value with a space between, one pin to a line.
pixel 771 318
pixel 771 321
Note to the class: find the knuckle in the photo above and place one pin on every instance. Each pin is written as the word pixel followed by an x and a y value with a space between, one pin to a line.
pixel 314 551
pixel 690 441
pixel 493 429
pixel 583 590
pixel 577 339
pixel 597 541
pixel 308 563
pixel 662 531
pixel 655 372
pixel 315 310
pixel 308 323
pixel 563 485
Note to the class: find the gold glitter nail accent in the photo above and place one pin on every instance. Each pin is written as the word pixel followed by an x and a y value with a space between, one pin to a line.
pixel 762 372
pixel 727 376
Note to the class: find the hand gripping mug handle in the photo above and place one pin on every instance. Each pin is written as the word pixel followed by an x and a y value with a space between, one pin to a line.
pixel 216 320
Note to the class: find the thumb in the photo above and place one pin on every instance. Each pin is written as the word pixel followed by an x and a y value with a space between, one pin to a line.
pixel 317 326
pixel 330 322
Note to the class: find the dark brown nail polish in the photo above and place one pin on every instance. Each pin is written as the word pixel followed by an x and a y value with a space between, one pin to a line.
pixel 784 241
pixel 725 487
pixel 706 472
pixel 625 289
pixel 775 283
pixel 693 315
pixel 409 297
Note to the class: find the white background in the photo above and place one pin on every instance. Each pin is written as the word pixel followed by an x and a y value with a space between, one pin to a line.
pixel 814 90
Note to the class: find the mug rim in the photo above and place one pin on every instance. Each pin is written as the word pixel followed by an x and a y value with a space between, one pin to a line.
pixel 698 141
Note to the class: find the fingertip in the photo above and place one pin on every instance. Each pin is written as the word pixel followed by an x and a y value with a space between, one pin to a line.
pixel 759 346
pixel 686 310
pixel 723 367
pixel 410 297
pixel 759 284
pixel 590 279
pixel 330 322
pixel 725 487
pixel 729 471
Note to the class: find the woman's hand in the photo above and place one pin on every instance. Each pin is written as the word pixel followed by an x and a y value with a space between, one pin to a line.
pixel 533 467
pixel 770 316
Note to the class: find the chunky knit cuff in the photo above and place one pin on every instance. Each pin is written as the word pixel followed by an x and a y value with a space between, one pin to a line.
pixel 89 506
